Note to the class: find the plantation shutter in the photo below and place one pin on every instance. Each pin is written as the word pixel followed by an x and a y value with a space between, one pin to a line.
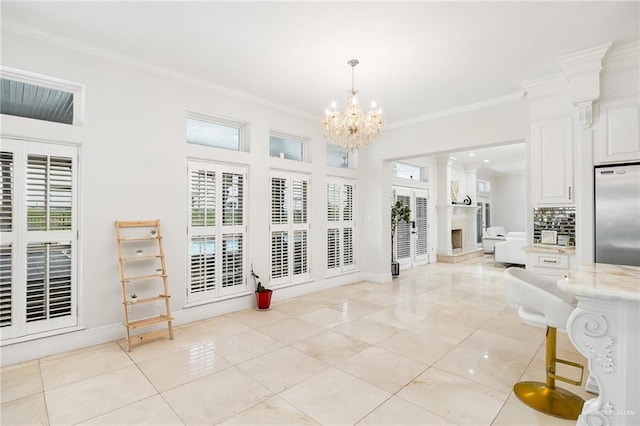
pixel 217 231
pixel 233 232
pixel 289 228
pixel 6 290
pixel 403 233
pixel 340 226
pixel 348 225
pixel 38 229
pixel 333 223
pixel 6 247
pixel 6 202
pixel 422 246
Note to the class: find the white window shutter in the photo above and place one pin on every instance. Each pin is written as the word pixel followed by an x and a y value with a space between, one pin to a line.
pixel 289 228
pixel 6 288
pixel 403 233
pixel 7 185
pixel 217 232
pixel 422 246
pixel 340 226
pixel 203 197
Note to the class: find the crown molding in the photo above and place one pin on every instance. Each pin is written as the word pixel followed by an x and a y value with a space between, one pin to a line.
pixel 623 57
pixel 585 60
pixel 513 97
pixel 545 87
pixel 110 56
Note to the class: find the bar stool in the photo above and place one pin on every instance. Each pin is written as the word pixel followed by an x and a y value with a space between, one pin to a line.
pixel 542 304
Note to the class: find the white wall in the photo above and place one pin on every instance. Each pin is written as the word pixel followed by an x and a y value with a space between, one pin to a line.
pixel 509 202
pixel 133 159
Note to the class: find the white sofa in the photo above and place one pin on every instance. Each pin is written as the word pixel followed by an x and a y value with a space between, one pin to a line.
pixel 510 250
pixel 492 236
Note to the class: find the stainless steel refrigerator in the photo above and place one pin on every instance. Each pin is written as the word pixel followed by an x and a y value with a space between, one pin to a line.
pixel 617 214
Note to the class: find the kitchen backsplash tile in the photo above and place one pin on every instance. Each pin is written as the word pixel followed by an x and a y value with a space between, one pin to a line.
pixel 559 219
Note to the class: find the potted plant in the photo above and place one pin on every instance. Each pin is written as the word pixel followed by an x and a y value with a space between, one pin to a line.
pixel 263 295
pixel 398 212
pixel 134 298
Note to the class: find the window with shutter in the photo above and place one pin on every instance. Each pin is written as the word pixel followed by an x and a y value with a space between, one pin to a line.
pixel 6 183
pixel 340 226
pixel 217 247
pixel 289 228
pixel 6 289
pixel 38 282
pixel 403 233
pixel 422 238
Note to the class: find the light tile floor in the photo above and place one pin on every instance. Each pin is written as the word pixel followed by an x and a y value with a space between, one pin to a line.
pixel 438 346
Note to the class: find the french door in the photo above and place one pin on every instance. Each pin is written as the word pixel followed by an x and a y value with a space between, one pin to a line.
pixel 483 218
pixel 412 238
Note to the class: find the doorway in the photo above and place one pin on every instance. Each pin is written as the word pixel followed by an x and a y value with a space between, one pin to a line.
pixel 412 238
pixel 483 218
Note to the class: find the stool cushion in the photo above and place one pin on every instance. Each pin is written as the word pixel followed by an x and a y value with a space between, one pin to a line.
pixel 540 302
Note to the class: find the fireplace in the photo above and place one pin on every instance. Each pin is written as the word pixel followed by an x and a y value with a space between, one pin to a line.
pixel 456 239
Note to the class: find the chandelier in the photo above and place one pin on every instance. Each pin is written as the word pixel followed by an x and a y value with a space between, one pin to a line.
pixel 352 129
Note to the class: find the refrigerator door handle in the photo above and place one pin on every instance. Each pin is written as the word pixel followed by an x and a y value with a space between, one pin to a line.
pixel 569 192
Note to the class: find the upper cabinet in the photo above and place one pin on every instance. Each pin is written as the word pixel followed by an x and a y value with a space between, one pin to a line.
pixel 552 162
pixel 620 131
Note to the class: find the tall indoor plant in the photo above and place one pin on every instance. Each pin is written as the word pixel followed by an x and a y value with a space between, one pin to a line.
pixel 398 212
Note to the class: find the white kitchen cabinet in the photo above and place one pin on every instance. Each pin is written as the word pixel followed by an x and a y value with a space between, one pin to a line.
pixel 552 162
pixel 620 131
pixel 550 261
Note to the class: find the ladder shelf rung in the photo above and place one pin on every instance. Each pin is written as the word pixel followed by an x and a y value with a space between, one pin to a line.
pixel 132 239
pixel 137 258
pixel 149 321
pixel 142 277
pixel 148 299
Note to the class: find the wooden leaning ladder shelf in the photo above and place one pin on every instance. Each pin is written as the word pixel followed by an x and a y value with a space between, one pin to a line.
pixel 142 234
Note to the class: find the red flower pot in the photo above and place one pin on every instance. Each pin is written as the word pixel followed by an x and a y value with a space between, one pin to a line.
pixel 263 299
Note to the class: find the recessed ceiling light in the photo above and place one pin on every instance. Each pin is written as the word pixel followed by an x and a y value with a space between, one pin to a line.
pixel 486 161
pixel 471 154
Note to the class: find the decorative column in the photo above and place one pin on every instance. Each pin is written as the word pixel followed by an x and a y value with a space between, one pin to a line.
pixel 444 206
pixel 471 225
pixel 583 75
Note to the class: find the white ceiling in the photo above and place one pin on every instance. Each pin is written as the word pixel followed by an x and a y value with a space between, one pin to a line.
pixel 416 58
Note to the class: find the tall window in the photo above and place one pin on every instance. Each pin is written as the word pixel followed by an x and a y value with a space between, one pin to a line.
pixel 289 228
pixel 340 226
pixel 38 226
pixel 217 230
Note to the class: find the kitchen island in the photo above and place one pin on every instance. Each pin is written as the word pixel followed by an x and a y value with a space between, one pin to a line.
pixel 605 328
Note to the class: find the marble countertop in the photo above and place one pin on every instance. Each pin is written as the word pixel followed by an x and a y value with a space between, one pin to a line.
pixel 603 280
pixel 549 248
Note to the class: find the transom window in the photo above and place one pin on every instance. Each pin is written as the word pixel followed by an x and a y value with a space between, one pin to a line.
pixel 407 171
pixel 29 95
pixel 337 157
pixel 288 147
pixel 214 132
